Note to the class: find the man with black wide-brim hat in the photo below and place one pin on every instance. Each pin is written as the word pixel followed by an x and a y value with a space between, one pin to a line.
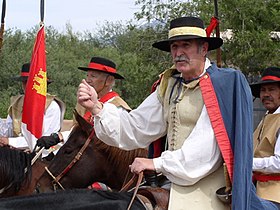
pixel 101 74
pixel 206 113
pixel 53 117
pixel 266 162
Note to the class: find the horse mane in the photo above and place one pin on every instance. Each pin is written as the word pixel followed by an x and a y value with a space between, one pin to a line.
pixel 118 157
pixel 15 169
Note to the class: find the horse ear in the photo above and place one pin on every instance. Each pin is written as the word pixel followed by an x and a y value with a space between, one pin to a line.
pixel 84 124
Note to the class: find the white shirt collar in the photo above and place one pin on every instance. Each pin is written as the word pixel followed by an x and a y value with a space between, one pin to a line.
pixel 277 111
pixel 206 66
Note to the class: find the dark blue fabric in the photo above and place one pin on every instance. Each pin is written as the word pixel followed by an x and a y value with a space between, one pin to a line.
pixel 235 102
pixel 78 199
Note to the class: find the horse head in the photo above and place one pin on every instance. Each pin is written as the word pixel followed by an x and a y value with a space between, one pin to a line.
pixel 15 170
pixel 18 175
pixel 82 161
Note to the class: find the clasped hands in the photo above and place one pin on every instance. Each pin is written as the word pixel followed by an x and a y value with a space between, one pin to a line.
pixel 88 98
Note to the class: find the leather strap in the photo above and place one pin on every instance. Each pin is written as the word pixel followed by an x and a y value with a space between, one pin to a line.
pixel 129 183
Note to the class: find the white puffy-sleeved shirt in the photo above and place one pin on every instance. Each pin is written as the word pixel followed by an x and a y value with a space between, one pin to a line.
pixel 51 124
pixel 140 127
pixel 269 164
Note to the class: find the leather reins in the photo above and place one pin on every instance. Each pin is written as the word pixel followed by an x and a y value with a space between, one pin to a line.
pixel 71 164
pixel 129 183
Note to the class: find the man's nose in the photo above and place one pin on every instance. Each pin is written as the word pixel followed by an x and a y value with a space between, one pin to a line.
pixel 266 95
pixel 88 80
pixel 180 51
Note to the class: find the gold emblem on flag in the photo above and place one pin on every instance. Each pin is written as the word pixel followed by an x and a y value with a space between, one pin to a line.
pixel 40 82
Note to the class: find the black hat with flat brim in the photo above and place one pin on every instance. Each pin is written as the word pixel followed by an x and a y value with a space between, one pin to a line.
pixel 269 75
pixel 185 28
pixel 103 65
pixel 25 74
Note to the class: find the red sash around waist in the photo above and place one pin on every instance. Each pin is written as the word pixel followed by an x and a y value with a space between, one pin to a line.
pixel 265 177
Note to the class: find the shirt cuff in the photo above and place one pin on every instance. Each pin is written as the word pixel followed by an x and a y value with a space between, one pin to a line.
pixel 99 115
pixel 158 164
pixel 257 164
pixel 106 106
pixel 66 134
pixel 18 142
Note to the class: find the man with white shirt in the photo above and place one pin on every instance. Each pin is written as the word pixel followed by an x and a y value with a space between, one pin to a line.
pixel 206 113
pixel 53 116
pixel 266 162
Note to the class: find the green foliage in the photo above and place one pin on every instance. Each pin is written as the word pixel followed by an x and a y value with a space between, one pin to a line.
pixel 163 11
pixel 130 47
pixel 251 49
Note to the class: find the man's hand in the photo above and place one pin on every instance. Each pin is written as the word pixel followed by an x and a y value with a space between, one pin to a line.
pixel 141 164
pixel 88 98
pixel 48 141
pixel 4 141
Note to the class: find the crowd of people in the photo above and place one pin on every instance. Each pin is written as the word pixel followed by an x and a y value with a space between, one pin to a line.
pixel 204 112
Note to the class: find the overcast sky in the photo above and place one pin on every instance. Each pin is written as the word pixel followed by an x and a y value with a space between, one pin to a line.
pixel 81 14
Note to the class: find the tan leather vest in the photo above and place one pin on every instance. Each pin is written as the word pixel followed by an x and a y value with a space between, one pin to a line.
pixel 183 104
pixel 15 111
pixel 264 144
pixel 181 112
pixel 265 135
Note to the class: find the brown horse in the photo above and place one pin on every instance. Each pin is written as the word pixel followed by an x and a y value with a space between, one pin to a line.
pixel 82 161
pixel 18 177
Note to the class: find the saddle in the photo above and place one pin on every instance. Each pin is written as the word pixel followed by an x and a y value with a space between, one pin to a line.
pixel 154 198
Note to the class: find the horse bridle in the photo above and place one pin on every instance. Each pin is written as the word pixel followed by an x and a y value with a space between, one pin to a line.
pixel 56 179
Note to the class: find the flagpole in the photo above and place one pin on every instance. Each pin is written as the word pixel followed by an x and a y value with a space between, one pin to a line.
pixel 218 51
pixel 42 12
pixel 2 23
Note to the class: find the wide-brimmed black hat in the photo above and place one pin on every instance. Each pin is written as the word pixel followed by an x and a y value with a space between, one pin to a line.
pixel 185 28
pixel 24 74
pixel 104 65
pixel 269 75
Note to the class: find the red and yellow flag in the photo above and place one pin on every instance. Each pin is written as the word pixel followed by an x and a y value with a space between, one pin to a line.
pixel 35 91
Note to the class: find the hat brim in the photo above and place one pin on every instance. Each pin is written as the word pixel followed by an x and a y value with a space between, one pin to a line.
pixel 116 75
pixel 164 45
pixel 24 79
pixel 256 87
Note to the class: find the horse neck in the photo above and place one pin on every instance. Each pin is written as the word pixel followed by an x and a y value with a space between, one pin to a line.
pixel 117 179
pixel 118 166
pixel 38 169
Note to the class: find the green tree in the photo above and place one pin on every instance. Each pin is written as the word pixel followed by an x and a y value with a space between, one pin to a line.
pixel 251 48
pixel 129 45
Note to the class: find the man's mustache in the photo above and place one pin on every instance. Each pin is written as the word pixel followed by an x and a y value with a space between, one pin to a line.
pixel 181 58
pixel 267 98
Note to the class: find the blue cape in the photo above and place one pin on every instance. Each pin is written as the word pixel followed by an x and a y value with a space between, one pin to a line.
pixel 235 102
